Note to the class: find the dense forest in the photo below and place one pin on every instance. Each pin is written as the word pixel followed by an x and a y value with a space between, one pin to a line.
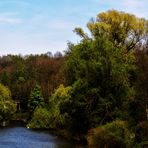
pixel 95 92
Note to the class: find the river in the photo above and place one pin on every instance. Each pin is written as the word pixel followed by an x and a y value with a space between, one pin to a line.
pixel 20 137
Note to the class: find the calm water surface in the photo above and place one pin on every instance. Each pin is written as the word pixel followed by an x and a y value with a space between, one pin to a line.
pixel 20 137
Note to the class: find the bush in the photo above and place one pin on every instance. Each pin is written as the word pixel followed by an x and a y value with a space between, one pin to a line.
pixel 40 119
pixel 111 135
pixel 54 114
pixel 59 105
pixel 102 138
pixel 7 105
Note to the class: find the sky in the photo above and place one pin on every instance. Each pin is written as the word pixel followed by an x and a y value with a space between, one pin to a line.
pixel 40 26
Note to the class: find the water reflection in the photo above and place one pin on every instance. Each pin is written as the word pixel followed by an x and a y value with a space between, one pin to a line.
pixel 19 137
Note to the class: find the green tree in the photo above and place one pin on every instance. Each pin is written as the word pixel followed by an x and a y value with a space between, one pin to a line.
pixel 36 98
pixel 5 78
pixel 59 104
pixel 7 105
pixel 54 115
pixel 40 119
pixel 100 75
pixel 138 106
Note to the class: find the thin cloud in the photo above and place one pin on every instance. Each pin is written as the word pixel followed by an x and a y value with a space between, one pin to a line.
pixel 34 26
pixel 9 18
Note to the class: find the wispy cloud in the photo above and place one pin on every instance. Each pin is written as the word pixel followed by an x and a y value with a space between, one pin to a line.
pixel 35 26
pixel 9 18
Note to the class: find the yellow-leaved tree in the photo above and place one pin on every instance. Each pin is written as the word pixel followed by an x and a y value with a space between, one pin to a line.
pixel 7 105
pixel 122 29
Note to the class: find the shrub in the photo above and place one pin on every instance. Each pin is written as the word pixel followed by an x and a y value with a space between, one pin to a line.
pixel 102 138
pixel 59 105
pixel 7 105
pixel 53 115
pixel 111 135
pixel 40 119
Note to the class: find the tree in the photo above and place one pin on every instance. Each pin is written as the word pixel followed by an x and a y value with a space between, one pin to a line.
pixel 55 114
pixel 36 98
pixel 40 119
pixel 122 29
pixel 138 108
pixel 7 105
pixel 25 71
pixel 59 104
pixel 142 79
pixel 100 74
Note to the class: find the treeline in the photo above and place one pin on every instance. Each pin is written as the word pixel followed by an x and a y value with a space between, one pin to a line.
pixel 22 73
pixel 98 89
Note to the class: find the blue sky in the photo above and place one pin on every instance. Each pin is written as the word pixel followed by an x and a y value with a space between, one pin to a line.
pixel 38 26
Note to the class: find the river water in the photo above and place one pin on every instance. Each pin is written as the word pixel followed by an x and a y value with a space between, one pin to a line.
pixel 20 137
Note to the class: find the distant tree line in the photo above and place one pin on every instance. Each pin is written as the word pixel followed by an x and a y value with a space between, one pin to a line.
pixel 22 73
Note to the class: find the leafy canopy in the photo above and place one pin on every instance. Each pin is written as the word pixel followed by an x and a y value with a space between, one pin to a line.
pixel 122 29
pixel 7 105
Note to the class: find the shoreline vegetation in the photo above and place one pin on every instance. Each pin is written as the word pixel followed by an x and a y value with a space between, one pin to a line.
pixel 95 94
